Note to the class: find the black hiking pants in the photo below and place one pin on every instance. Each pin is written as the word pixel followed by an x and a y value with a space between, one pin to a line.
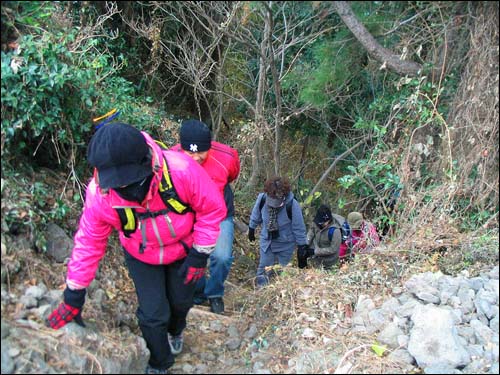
pixel 164 302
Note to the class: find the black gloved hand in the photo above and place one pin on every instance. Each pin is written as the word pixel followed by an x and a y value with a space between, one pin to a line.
pixel 251 234
pixel 303 252
pixel 194 266
pixel 70 309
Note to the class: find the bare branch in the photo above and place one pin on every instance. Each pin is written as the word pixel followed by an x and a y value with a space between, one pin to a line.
pixel 382 54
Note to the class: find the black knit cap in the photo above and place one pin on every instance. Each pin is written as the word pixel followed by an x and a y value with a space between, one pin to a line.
pixel 323 215
pixel 120 154
pixel 195 136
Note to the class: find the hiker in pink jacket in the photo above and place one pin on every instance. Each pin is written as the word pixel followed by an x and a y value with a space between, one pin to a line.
pixel 364 234
pixel 167 211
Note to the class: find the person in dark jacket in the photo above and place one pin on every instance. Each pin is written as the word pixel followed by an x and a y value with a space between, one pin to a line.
pixel 222 164
pixel 327 247
pixel 282 229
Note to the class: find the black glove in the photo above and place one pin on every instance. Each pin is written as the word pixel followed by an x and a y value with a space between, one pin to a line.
pixel 251 234
pixel 193 267
pixel 70 309
pixel 303 252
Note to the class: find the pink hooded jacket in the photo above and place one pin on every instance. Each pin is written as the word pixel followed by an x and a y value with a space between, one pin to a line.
pixel 365 239
pixel 198 229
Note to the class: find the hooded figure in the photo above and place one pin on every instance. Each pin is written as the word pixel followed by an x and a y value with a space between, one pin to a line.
pixel 325 238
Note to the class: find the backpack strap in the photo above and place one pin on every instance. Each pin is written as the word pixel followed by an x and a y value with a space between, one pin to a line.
pixel 127 220
pixel 169 194
pixel 330 233
pixel 262 201
pixel 346 231
pixel 289 209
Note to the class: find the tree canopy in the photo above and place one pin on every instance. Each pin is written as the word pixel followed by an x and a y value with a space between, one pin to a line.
pixel 352 101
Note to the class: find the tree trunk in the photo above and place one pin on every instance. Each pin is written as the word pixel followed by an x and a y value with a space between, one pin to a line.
pixel 380 53
pixel 220 100
pixel 277 93
pixel 259 108
pixel 305 146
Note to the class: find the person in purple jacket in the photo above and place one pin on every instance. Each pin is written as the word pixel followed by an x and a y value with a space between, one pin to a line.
pixel 283 226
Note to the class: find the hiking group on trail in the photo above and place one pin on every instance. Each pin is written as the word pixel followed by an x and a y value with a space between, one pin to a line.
pixel 174 212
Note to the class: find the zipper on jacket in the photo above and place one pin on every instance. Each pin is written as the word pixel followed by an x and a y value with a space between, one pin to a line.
pixel 158 237
pixel 170 226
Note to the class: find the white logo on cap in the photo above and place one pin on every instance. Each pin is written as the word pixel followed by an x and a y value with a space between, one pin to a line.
pixel 193 148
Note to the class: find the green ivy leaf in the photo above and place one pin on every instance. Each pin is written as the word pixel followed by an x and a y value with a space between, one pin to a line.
pixel 379 349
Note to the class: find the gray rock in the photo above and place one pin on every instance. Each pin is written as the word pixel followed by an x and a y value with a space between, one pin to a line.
pixel 493 274
pixel 407 309
pixel 187 368
pixel 8 364
pixel 475 351
pixel 207 356
pixel 377 319
pixel 390 306
pixel 477 366
pixel 491 352
pixel 467 333
pixel 434 341
pixel 52 296
pixel 466 296
pixel 233 331
pixel 424 286
pixel 401 356
pixel 28 301
pixel 59 244
pixel 233 343
pixel 441 369
pixel 14 352
pixel 99 296
pixel 316 362
pixel 36 291
pixel 389 335
pixel 252 331
pixel 494 324
pixel 216 326
pixel 494 367
pixel 403 341
pixel 483 333
pixel 476 283
pixel 5 329
pixel 201 368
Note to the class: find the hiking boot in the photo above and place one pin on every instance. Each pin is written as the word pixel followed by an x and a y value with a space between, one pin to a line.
pixel 200 300
pixel 152 370
pixel 216 305
pixel 175 343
